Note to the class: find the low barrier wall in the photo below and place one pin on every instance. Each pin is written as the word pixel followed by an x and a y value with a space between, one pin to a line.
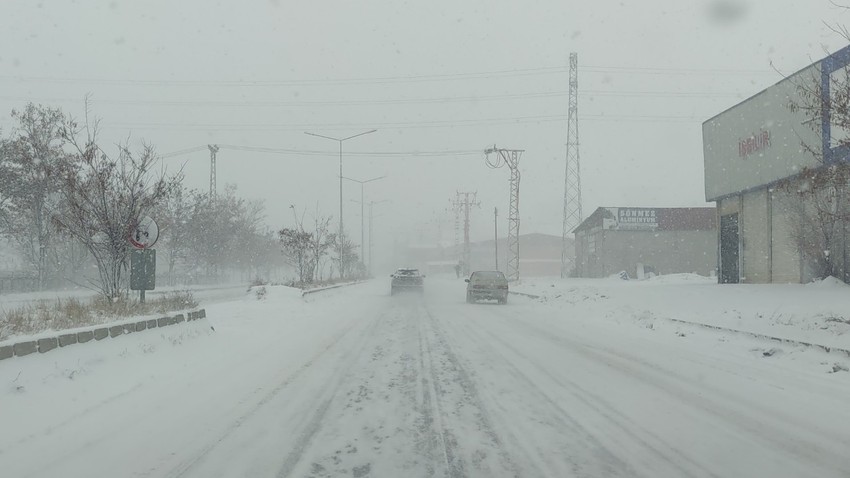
pixel 93 334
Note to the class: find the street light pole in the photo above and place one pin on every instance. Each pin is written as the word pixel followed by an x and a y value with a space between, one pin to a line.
pixel 371 205
pixel 363 213
pixel 496 234
pixel 340 140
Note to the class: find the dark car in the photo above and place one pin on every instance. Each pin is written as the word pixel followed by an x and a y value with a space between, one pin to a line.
pixel 487 285
pixel 407 280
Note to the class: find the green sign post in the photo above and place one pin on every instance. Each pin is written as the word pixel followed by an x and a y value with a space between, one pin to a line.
pixel 143 271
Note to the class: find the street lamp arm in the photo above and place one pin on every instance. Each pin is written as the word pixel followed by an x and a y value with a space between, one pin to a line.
pixel 356 135
pixel 323 136
pixel 363 182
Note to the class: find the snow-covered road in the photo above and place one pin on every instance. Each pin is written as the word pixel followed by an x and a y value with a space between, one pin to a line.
pixel 353 382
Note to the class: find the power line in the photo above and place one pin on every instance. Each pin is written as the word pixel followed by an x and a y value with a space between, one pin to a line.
pixel 521 120
pixel 301 152
pixel 303 82
pixel 183 151
pixel 662 70
pixel 402 125
pixel 368 102
pixel 301 126
pixel 559 69
pixel 361 153
pixel 272 104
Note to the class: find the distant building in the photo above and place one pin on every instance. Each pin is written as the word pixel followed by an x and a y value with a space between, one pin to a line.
pixel 754 153
pixel 540 256
pixel 641 241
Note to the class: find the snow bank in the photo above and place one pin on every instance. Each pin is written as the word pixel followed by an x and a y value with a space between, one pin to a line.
pixel 828 282
pixel 682 279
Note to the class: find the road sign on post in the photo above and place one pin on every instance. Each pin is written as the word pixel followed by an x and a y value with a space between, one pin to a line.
pixel 144 233
pixel 143 271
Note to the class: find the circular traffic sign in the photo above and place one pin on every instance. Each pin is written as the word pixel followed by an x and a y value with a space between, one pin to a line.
pixel 144 233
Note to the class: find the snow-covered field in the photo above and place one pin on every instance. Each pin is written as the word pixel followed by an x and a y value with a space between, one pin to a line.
pixel 590 380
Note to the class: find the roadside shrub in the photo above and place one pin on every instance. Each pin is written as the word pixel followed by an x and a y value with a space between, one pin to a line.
pixel 70 313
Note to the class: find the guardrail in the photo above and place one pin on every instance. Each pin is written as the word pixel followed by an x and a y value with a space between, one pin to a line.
pixel 95 333
pixel 335 286
pixel 530 296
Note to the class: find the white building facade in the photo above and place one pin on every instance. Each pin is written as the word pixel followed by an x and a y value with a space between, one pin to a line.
pixel 753 155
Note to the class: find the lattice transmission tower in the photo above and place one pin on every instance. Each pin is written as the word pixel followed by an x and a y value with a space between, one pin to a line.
pixel 462 204
pixel 510 157
pixel 572 174
pixel 213 150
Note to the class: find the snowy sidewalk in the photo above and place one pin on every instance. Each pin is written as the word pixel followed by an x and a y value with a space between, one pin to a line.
pixel 817 313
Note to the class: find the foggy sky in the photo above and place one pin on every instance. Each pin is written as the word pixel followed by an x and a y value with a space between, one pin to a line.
pixel 187 73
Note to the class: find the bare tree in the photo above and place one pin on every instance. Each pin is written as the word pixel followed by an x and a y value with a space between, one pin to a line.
pixel 818 216
pixel 297 247
pixel 222 230
pixel 6 181
pixel 174 220
pixel 323 240
pixel 346 256
pixel 106 197
pixel 32 158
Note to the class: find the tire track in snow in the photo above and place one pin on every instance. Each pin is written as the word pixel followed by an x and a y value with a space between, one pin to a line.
pixel 314 425
pixel 431 409
pixel 613 465
pixel 681 387
pixel 187 465
pixel 462 379
pixel 671 455
pixel 92 409
pixel 119 429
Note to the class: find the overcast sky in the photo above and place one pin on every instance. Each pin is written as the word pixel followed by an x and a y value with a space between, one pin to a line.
pixel 441 75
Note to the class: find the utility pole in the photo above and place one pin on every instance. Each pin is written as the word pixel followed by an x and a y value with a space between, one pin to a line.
pixel 496 234
pixel 213 150
pixel 371 206
pixel 456 209
pixel 572 174
pixel 510 157
pixel 469 200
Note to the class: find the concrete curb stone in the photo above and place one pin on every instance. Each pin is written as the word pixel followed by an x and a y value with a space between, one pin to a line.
pixel 48 344
pixel 25 348
pixel 67 339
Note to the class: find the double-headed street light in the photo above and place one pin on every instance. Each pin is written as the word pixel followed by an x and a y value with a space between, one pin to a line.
pixel 362 213
pixel 340 140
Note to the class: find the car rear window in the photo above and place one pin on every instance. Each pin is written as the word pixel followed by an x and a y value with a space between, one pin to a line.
pixel 488 275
